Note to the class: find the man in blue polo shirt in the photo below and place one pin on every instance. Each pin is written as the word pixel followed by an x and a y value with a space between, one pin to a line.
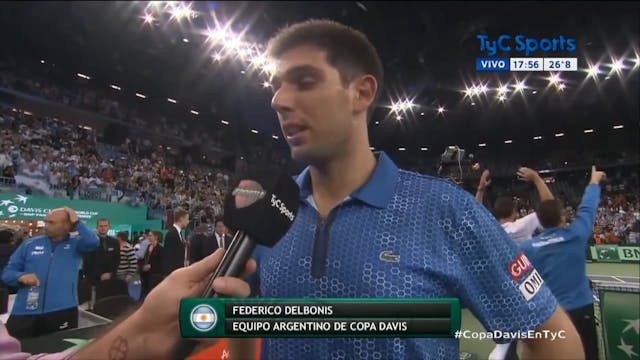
pixel 367 229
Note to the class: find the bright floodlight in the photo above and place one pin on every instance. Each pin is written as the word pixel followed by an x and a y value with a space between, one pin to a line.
pixel 254 131
pixel 618 127
pixel 266 84
pixel 275 136
pixel 617 65
pixel 224 122
pixel 520 85
pixel 508 141
pixel 441 110
pixel 482 145
pixel 181 11
pixel 554 78
pixel 483 88
pixel 503 89
pixel 398 117
pixel 115 87
pixel 562 86
pixel 172 100
pixel 502 98
pixel 593 71
pixel 148 18
pixel 141 96
pixel 195 112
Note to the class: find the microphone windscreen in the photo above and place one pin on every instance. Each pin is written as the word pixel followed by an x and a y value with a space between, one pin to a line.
pixel 263 206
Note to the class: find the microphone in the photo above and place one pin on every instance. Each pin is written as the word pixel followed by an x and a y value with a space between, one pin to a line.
pixel 261 210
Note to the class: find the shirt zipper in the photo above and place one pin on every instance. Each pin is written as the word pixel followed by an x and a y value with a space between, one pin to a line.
pixel 321 244
pixel 46 283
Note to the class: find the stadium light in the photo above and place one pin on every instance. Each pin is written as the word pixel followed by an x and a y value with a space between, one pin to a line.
pixel 224 122
pixel 41 61
pixel 401 149
pixel 502 98
pixel 141 96
pixel 441 110
pixel 115 87
pixel 275 136
pixel 508 141
pixel 185 40
pixel 172 101
pixel 618 127
pixel 266 84
pixel 561 87
pixel 148 18
pixel 588 131
pixel 424 149
pixel 559 135
pixel 371 148
pixel 537 137
pixel 84 76
pixel 421 114
pixel 195 112
pixel 482 145
pixel 254 131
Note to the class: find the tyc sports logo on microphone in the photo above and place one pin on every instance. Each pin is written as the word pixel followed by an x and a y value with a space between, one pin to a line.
pixel 278 204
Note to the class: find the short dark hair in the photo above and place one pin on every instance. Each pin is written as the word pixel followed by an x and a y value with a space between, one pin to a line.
pixel 179 213
pixel 217 220
pixel 504 207
pixel 122 235
pixel 550 213
pixel 348 50
pixel 157 234
pixel 103 219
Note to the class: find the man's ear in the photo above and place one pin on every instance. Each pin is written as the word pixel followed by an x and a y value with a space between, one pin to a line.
pixel 365 93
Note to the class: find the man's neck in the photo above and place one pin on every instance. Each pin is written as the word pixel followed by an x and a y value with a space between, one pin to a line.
pixel 334 180
pixel 177 226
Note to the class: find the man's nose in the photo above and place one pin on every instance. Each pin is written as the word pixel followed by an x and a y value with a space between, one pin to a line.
pixel 282 101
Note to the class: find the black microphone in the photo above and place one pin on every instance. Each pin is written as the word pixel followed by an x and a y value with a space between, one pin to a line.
pixel 261 210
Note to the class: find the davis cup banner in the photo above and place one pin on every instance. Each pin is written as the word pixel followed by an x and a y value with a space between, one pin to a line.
pixel 27 207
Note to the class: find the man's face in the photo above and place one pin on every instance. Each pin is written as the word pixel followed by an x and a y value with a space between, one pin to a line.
pixel 313 106
pixel 57 225
pixel 184 222
pixel 220 230
pixel 103 228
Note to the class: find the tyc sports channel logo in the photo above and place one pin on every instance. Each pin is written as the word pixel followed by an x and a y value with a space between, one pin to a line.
pixel 519 47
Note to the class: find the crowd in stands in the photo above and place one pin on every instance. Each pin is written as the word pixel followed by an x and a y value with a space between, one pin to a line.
pixel 50 156
pixel 105 102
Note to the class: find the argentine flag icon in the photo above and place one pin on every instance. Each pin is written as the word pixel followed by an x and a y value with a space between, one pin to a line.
pixel 203 318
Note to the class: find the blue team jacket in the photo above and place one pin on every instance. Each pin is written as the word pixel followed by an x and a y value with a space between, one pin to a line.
pixel 560 254
pixel 57 270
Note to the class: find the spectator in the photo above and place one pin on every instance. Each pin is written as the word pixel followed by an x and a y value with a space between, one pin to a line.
pixel 102 264
pixel 30 316
pixel 128 266
pixel 151 269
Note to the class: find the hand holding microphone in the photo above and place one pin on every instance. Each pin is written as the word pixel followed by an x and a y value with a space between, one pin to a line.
pixel 260 209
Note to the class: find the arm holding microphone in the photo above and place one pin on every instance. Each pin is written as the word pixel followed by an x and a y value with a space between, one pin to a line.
pixel 150 332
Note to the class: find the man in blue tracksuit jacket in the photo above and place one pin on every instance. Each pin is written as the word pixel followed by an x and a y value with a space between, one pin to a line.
pixel 45 268
pixel 559 254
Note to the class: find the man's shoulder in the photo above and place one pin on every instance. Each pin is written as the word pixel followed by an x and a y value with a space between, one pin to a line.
pixel 36 240
pixel 415 185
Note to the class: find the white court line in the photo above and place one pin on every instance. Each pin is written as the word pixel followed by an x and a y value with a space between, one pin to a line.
pixel 622 281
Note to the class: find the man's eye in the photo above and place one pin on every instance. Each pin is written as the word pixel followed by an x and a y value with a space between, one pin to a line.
pixel 306 82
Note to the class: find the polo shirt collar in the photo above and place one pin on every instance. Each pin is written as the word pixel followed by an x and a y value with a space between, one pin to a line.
pixel 377 191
